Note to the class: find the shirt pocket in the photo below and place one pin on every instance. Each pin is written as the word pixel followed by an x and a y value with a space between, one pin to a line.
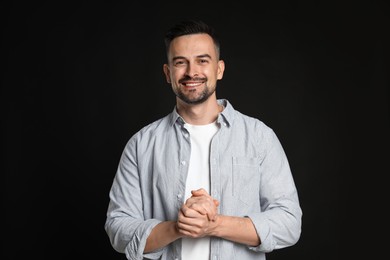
pixel 246 179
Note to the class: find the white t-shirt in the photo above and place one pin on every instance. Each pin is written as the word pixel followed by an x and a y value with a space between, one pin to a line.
pixel 198 177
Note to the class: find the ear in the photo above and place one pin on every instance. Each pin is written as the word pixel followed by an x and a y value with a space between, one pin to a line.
pixel 167 72
pixel 221 69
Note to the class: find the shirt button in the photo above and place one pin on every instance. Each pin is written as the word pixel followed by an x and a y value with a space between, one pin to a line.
pixel 179 196
pixel 186 135
pixel 183 162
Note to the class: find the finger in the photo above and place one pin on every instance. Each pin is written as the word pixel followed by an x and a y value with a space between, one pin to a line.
pixel 190 212
pixel 204 205
pixel 205 208
pixel 193 227
pixel 200 209
pixel 188 232
pixel 199 199
pixel 199 192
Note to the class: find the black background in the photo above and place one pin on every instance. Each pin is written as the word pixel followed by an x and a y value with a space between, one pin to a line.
pixel 80 79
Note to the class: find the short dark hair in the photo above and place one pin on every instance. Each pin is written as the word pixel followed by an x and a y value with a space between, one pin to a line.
pixel 188 27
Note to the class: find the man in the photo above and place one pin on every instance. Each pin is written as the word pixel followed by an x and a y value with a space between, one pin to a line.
pixel 206 181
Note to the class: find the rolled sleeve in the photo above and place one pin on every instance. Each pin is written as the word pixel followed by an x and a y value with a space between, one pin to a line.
pixel 136 246
pixel 264 232
pixel 277 228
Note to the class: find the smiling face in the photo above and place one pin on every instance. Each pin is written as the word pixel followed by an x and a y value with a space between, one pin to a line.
pixel 193 67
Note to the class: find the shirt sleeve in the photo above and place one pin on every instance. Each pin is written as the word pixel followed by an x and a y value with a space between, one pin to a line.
pixel 125 224
pixel 279 223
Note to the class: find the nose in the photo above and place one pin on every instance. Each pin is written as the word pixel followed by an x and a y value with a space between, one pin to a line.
pixel 191 71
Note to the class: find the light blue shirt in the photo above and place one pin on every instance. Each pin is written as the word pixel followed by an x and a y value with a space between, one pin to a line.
pixel 250 176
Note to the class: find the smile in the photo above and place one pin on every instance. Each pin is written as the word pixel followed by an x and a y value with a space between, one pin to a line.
pixel 192 84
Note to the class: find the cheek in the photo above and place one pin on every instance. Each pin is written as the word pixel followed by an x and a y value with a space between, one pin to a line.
pixel 212 74
pixel 177 74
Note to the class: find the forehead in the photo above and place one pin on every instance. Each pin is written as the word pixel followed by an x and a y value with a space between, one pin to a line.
pixel 192 45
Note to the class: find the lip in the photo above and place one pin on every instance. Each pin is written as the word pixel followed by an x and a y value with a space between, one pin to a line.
pixel 192 84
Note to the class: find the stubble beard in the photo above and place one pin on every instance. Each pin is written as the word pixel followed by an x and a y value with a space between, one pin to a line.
pixel 202 97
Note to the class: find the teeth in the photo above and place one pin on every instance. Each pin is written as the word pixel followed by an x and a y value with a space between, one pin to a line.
pixel 193 84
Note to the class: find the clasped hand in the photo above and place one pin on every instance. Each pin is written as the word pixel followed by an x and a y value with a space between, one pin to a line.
pixel 197 217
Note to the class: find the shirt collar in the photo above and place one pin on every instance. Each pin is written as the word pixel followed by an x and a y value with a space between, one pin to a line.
pixel 225 117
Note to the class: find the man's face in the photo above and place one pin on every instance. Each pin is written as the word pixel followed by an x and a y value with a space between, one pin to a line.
pixel 193 67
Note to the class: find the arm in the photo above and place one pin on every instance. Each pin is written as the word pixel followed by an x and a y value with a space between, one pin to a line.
pixel 129 224
pixel 279 222
pixel 236 229
pixel 162 234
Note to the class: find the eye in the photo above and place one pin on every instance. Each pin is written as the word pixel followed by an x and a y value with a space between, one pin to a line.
pixel 203 61
pixel 179 63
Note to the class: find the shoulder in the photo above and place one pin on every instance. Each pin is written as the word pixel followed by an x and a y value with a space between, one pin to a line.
pixel 251 122
pixel 154 128
pixel 238 119
pixel 255 129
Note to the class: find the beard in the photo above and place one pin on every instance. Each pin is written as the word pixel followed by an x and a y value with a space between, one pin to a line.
pixel 193 100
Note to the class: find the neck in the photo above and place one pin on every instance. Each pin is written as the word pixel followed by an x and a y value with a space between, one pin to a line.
pixel 199 114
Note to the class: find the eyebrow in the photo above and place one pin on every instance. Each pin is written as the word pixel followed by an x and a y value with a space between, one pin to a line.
pixel 199 56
